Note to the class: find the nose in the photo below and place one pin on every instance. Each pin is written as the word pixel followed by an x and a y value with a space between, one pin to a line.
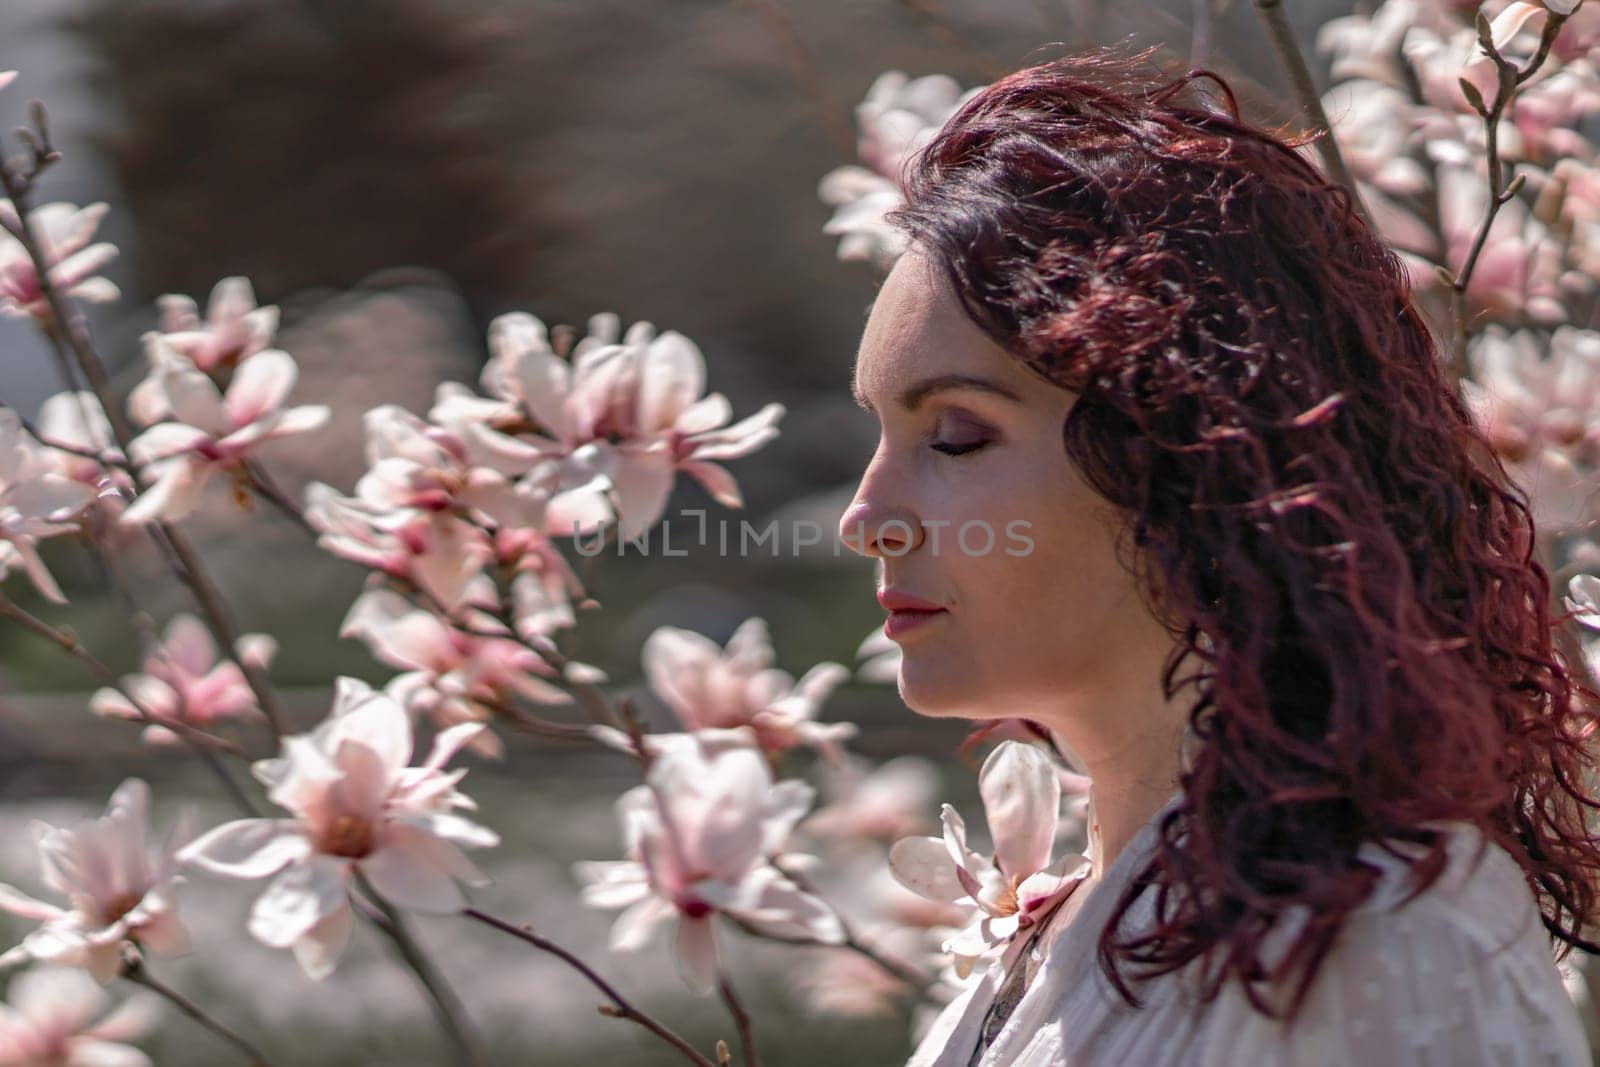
pixel 877 523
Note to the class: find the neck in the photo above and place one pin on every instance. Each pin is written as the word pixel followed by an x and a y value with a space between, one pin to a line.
pixel 1134 765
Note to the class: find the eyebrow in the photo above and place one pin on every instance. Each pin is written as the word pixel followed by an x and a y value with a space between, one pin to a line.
pixel 913 395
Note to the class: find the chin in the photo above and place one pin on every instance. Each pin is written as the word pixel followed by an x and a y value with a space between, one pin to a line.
pixel 935 695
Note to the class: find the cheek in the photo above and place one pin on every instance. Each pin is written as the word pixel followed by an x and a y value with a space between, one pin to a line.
pixel 1062 593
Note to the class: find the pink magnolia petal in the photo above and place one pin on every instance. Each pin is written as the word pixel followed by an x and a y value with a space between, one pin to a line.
pixel 1022 799
pixel 19 903
pixel 297 900
pixel 256 650
pixel 672 375
pixel 165 440
pixel 636 927
pixel 642 483
pixel 696 953
pixel 740 439
pixel 923 865
pixel 319 949
pixel 193 398
pixel 260 385
pixel 403 871
pixel 611 883
pixel 451 741
pixel 247 848
pixel 784 806
pixel 187 644
pixel 704 415
pixel 174 495
pixel 92 1053
pixel 164 934
pixel 722 486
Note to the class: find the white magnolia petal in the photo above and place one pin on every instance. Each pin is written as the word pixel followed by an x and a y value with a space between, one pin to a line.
pixel 247 848
pixel 696 953
pixel 405 872
pixel 297 900
pixel 1022 798
pixel 923 865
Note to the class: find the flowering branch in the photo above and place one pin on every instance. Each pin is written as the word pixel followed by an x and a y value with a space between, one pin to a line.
pixel 912 976
pixel 619 1008
pixel 741 1019
pixel 1501 188
pixel 207 745
pixel 268 490
pixel 134 971
pixel 65 327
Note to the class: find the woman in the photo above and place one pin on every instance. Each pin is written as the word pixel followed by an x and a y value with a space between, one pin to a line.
pixel 1150 394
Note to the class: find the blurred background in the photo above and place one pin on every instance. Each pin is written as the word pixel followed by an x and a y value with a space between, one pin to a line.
pixel 393 175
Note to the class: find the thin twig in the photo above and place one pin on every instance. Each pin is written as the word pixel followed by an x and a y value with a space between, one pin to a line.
pixel 269 490
pixel 133 970
pixel 741 1020
pixel 209 597
pixel 1502 188
pixel 620 1007
pixel 912 976
pixel 1305 91
pixel 446 1006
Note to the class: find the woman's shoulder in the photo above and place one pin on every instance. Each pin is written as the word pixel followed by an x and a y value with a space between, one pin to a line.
pixel 1462 973
pixel 1481 891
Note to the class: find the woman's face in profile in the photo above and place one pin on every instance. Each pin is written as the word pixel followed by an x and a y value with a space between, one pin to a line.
pixel 971 503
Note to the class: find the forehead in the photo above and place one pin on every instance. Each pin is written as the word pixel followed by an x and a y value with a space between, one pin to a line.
pixel 918 328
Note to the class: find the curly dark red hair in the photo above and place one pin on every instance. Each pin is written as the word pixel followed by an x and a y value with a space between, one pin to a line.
pixel 1308 503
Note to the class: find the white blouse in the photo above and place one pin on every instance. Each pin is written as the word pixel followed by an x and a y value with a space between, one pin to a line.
pixel 1421 985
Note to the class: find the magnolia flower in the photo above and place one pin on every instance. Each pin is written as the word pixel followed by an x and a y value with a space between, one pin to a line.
pixel 1542 414
pixel 118 889
pixel 35 502
pixel 76 421
pixel 440 553
pixel 1368 45
pixel 64 232
pixel 359 807
pixel 417 469
pixel 1016 887
pixel 7 77
pixel 234 328
pixel 698 835
pixel 452 676
pixel 882 803
pixel 899 116
pixel 184 682
pixel 217 430
pixel 1549 112
pixel 56 1017
pixel 627 409
pixel 1374 127
pixel 711 687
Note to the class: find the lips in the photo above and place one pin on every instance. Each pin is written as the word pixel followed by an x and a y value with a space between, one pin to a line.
pixel 896 600
pixel 906 612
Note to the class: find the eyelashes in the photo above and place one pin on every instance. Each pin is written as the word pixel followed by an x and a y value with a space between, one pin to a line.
pixel 957 449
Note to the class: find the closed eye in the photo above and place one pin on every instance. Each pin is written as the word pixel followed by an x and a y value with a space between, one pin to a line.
pixel 956 449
